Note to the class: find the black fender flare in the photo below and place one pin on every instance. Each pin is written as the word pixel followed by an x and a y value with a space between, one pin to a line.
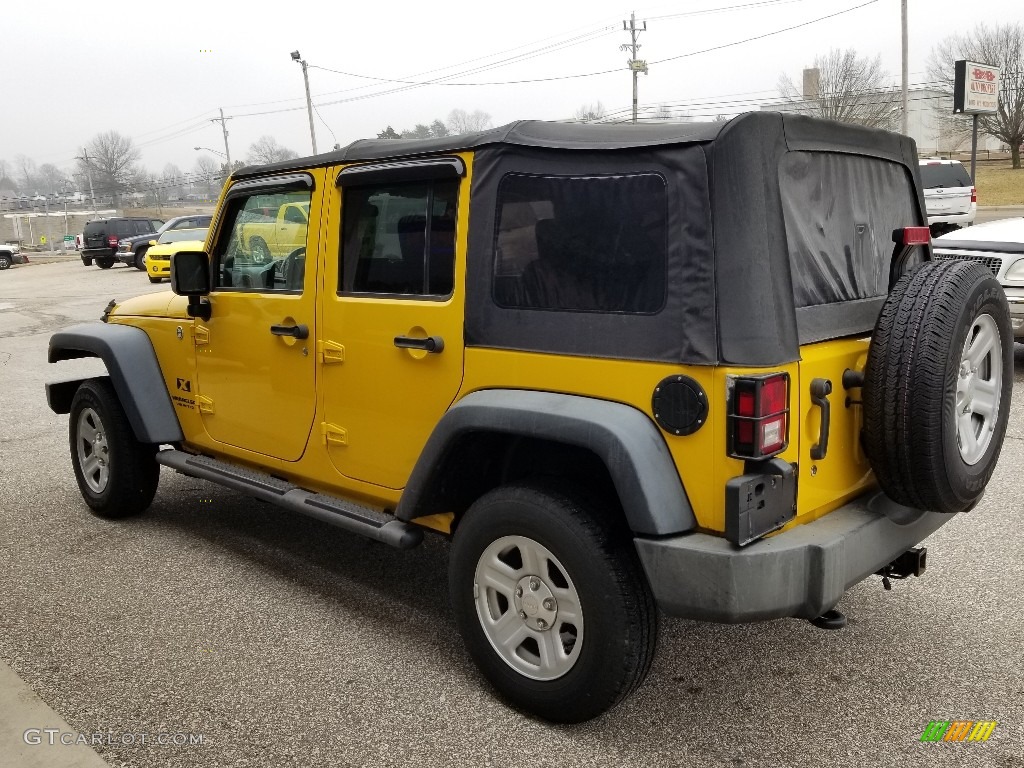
pixel 624 438
pixel 134 371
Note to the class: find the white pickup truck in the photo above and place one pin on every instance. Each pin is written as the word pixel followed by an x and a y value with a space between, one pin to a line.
pixel 11 254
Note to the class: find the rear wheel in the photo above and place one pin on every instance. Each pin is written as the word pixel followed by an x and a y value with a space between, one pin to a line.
pixel 551 601
pixel 116 474
pixel 937 386
pixel 105 263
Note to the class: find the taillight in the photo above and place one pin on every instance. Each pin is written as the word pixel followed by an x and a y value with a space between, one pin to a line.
pixel 974 195
pixel 112 241
pixel 916 236
pixel 758 415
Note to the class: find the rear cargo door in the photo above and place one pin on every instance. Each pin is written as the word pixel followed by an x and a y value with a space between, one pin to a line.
pixel 840 211
pixel 947 188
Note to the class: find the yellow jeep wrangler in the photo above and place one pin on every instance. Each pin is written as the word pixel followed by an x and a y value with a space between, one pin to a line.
pixel 709 369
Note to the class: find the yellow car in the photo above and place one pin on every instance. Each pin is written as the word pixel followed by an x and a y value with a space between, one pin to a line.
pixel 158 257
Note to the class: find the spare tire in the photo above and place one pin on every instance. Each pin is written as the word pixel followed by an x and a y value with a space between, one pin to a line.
pixel 937 386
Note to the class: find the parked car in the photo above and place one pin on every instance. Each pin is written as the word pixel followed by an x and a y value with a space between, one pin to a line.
pixel 101 237
pixel 623 368
pixel 949 195
pixel 158 258
pixel 999 247
pixel 132 250
pixel 11 254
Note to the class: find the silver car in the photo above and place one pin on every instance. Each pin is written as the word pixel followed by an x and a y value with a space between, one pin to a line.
pixel 999 246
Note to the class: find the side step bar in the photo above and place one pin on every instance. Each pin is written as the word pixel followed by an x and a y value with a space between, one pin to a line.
pixel 356 518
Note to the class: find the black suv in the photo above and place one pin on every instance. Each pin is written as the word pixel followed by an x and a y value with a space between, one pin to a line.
pixel 132 250
pixel 101 237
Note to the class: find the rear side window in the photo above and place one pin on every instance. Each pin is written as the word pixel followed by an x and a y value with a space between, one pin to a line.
pixel 143 228
pixel 944 175
pixel 840 211
pixel 124 227
pixel 581 243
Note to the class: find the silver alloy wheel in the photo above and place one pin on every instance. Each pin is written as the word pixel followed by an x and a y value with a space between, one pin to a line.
pixel 528 607
pixel 979 386
pixel 93 452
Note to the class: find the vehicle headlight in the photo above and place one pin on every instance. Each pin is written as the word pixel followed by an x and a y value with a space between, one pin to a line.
pixel 1016 271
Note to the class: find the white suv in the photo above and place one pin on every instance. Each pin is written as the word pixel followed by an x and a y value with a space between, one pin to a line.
pixel 949 195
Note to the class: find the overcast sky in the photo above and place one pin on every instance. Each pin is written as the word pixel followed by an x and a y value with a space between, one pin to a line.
pixel 73 69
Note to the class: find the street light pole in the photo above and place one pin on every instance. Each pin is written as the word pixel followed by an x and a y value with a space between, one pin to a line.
pixel 296 56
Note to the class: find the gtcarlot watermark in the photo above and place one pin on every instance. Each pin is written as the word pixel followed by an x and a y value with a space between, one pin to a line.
pixel 54 736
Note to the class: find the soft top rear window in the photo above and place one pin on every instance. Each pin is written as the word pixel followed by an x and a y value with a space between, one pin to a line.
pixel 944 175
pixel 840 211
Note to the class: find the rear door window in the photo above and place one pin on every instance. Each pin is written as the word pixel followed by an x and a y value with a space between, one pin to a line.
pixel 944 176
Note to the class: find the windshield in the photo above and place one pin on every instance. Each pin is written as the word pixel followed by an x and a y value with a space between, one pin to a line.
pixel 178 235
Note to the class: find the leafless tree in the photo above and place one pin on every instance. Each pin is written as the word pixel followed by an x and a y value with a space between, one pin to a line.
pixel 849 89
pixel 113 159
pixel 460 121
pixel 266 150
pixel 170 180
pixel 52 178
pixel 1001 46
pixel 27 172
pixel 589 113
pixel 5 175
pixel 207 170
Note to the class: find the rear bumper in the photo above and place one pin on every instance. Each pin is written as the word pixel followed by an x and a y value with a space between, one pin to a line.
pixel 953 218
pixel 802 572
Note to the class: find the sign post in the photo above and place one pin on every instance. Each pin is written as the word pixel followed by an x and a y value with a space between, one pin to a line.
pixel 975 92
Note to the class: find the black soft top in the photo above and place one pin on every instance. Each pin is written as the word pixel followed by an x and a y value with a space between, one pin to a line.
pixel 522 133
pixel 744 288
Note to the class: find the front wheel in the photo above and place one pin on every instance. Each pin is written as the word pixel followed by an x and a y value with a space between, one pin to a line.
pixel 5 261
pixel 551 602
pixel 140 260
pixel 116 474
pixel 155 279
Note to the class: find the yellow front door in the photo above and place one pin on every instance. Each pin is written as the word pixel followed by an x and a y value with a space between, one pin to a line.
pixel 392 342
pixel 255 355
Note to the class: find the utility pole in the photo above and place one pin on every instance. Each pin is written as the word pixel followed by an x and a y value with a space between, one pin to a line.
pixel 223 126
pixel 906 74
pixel 296 56
pixel 635 65
pixel 88 171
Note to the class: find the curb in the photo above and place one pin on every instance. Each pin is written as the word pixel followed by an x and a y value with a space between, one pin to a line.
pixel 21 711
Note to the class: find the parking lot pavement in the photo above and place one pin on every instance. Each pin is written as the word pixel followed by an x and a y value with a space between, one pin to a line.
pixel 282 642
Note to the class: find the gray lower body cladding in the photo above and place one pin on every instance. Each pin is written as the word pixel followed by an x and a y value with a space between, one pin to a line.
pixel 802 572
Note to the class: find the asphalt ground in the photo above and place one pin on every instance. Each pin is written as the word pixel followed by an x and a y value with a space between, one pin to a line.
pixel 284 642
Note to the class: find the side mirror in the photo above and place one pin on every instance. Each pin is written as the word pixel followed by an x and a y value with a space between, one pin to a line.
pixel 152 242
pixel 190 276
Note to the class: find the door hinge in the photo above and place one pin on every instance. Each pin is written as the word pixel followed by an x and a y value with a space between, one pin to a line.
pixel 330 352
pixel 332 434
pixel 201 334
pixel 205 404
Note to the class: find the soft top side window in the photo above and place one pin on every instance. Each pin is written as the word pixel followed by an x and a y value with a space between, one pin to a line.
pixel 582 243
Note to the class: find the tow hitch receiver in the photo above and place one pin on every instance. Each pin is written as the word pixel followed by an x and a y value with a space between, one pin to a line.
pixel 910 563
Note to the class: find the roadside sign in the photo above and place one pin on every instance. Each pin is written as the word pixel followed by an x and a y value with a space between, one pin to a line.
pixel 69 241
pixel 42 239
pixel 975 88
